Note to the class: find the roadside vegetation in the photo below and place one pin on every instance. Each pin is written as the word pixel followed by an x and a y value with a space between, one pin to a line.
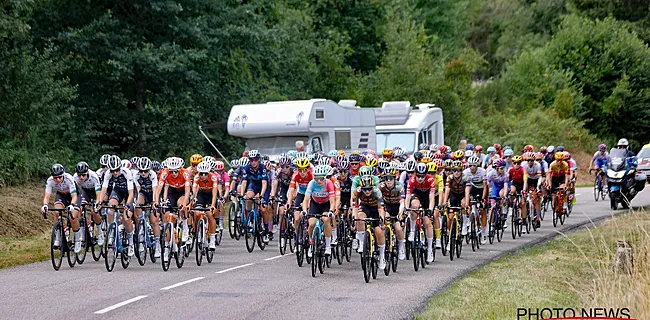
pixel 571 271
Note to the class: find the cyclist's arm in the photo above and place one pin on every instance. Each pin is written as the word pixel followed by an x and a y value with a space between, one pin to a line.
pixel 46 198
pixel 215 191
pixel 264 182
pixel 274 186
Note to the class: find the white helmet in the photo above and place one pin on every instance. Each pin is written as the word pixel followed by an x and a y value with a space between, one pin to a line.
pixel 433 147
pixel 321 171
pixel 473 160
pixel 174 163
pixel 114 162
pixel 253 154
pixel 622 142
pixel 324 161
pixel 104 159
pixel 126 164
pixel 203 167
pixel 410 164
pixel 243 161
pixel 469 153
pixel 144 163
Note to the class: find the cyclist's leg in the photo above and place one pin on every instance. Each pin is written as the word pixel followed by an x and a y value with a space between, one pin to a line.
pixel 361 228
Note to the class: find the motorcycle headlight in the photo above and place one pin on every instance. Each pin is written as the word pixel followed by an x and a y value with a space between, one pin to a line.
pixel 614 174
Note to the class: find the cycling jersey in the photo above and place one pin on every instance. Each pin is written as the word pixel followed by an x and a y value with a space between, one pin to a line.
pixel 66 186
pixel 320 194
pixel 337 186
pixel 302 183
pixel 475 179
pixel 254 175
pixel 392 195
pixel 91 182
pixel 212 182
pixel 225 178
pixel 123 182
pixel 428 185
pixel 440 183
pixel 456 184
pixel 559 169
pixel 346 190
pixel 147 184
pixel 498 181
pixel 516 175
pixel 181 181
pixel 573 165
pixel 532 172
pixel 373 200
pixel 598 156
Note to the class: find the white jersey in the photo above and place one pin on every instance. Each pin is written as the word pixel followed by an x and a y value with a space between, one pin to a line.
pixel 534 171
pixel 91 182
pixel 123 182
pixel 66 185
pixel 146 184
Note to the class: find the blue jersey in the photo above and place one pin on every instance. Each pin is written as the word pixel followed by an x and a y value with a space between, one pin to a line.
pixel 254 176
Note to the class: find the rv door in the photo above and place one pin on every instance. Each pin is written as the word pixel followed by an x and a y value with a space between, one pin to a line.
pixel 316 144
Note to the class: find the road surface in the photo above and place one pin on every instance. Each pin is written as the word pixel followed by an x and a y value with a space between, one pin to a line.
pixel 258 285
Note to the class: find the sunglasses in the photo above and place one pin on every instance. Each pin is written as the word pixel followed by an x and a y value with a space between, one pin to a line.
pixel 389 178
pixel 174 171
pixel 204 174
pixel 286 167
pixel 517 163
pixel 354 164
pixel 455 170
pixel 144 171
pixel 420 176
pixel 303 170
pixel 116 170
pixel 500 168
pixel 319 179
pixel 57 177
pixel 473 165
pixel 366 189
pixel 82 174
pixel 254 160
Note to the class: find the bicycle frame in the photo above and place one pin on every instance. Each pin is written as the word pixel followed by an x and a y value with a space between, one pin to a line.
pixel 117 218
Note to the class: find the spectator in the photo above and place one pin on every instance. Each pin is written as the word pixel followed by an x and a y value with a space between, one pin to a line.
pixel 300 146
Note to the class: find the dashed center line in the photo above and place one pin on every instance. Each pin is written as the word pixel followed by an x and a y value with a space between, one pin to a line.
pixel 235 268
pixel 276 257
pixel 182 283
pixel 121 304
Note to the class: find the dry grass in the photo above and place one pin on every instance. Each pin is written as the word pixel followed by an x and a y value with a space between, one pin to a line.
pixel 572 271
pixel 24 250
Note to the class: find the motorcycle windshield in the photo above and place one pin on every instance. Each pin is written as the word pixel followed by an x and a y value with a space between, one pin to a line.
pixel 617 157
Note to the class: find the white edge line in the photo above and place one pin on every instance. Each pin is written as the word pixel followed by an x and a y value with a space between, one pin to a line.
pixel 121 304
pixel 234 268
pixel 181 283
pixel 276 257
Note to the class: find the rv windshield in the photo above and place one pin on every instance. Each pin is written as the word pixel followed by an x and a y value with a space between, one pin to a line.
pixel 273 146
pixel 405 140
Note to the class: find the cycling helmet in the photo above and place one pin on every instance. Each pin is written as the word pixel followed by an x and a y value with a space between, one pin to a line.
pixel 432 167
pixel 302 163
pixel 469 147
pixel 433 147
pixel 447 163
pixel 409 165
pixel 103 161
pixel 126 164
pixel 155 166
pixel 218 165
pixel 244 154
pixel 497 146
pixel 478 148
pixel 210 161
pixel 560 148
pixel 421 169
pixel 417 155
pixel 473 161
pixel 203 167
pixel 499 163
pixel 292 154
pixel 174 163
pixel 321 171
pixel 57 170
pixel 324 161
pixel 529 156
pixel 355 157
pixel 528 148
pixel 424 145
pixel 426 159
pixel 602 147
pixel 469 153
pixel 543 150
pixel 331 171
pixel 81 167
pixel 114 163
pixel 383 164
pixel 253 154
pixel 508 153
pixel 343 165
pixel 398 152
pixel 456 164
pixel 366 171
pixel 367 182
pixel 459 154
pixel 539 156
pixel 559 156
pixel 234 163
pixel 266 157
pixel 438 162
pixel 341 153
pixel 332 153
pixel 567 156
pixel 209 158
pixel 371 161
pixel 163 164
pixel 243 161
pixel 516 159
pixel 389 172
pixel 284 161
pixel 301 154
pixel 550 149
pixel 623 142
pixel 134 161
pixel 443 149
pixel 387 153
pixel 144 164
pixel 436 155
pixel 491 149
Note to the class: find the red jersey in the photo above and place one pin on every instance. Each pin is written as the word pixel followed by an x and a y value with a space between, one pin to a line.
pixel 516 176
pixel 208 185
pixel 181 181
pixel 300 181
pixel 429 185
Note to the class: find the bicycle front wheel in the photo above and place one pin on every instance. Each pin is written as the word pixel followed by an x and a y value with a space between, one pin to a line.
pixel 366 256
pixel 56 252
pixel 199 241
pixel 388 251
pixel 232 213
pixel 313 249
pixel 249 233
pixel 141 243
pixel 110 248
pixel 166 244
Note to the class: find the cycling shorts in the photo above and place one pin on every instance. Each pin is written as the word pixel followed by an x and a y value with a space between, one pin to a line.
pixel 63 198
pixel 532 183
pixel 120 196
pixel 254 187
pixel 602 164
pixel 556 182
pixel 300 197
pixel 392 209
pixel 86 196
pixel 173 195
pixel 204 199
pixel 423 196
pixel 147 196
pixel 455 199
pixel 318 208
pixel 371 212
pixel 518 186
pixel 476 193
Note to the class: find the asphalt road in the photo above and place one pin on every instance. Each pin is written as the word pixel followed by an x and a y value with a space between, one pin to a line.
pixel 258 285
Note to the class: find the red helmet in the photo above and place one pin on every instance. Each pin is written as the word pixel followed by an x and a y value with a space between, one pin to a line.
pixel 245 154
pixel 543 150
pixel 478 148
pixel 528 148
pixel 436 155
pixel 497 146
pixel 443 149
pixel 567 155
pixel 539 156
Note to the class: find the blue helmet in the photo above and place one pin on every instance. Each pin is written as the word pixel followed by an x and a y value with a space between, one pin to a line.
pixel 469 147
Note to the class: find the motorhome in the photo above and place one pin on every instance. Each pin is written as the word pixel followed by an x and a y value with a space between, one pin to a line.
pixel 323 125
pixel 398 124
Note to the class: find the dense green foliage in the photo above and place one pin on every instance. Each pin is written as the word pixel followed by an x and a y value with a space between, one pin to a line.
pixel 83 78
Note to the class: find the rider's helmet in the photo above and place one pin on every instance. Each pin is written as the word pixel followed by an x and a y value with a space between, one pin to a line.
pixel 459 154
pixel 559 156
pixel 321 171
pixel 516 159
pixel 366 171
pixel 529 148
pixel 343 165
pixel 114 163
pixel 302 163
pixel 479 148
pixel 367 182
pixel 126 164
pixel 103 161
pixel 421 169
pixel 57 170
pixel 387 153
pixel 144 164
pixel 508 153
pixel 203 167
pixel 81 167
pixel 602 147
pixel 469 147
pixel 371 161
pixel 622 143
pixel 473 161
pixel 432 167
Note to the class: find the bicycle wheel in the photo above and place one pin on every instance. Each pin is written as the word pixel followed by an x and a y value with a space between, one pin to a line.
pixel 322 259
pixel 314 253
pixel 473 235
pixel 339 249
pixel 492 223
pixel 597 183
pixel 110 248
pixel 366 256
pixel 125 260
pixel 544 208
pixel 284 232
pixel 299 247
pixel 249 233
pixel 394 256
pixel 180 253
pixel 514 223
pixel 388 251
pixel 478 232
pixel 423 250
pixel 86 243
pixel 166 245
pixel 96 249
pixel 348 243
pixel 218 236
pixel 555 212
pixel 232 212
pixel 529 220
pixel 260 234
pixel 209 255
pixel 444 236
pixel 69 252
pixel 452 239
pixel 459 244
pixel 199 241
pixel 141 255
pixel 415 250
pixel 56 252
pixel 407 244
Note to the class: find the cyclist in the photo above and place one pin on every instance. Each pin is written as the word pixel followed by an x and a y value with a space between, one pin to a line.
pixel 146 182
pixel 122 193
pixel 532 182
pixel 206 190
pixel 176 183
pixel 507 156
pixel 319 199
pixel 476 188
pixel 392 193
pixel 558 175
pixel 516 175
pixel 355 162
pixel 267 212
pixel 88 186
pixel 455 195
pixel 599 163
pixel 434 170
pixel 254 180
pixel 420 193
pixel 219 170
pixel 409 171
pixel 195 159
pixel 368 202
pixel 491 152
pixel 499 182
pixel 280 186
pixel 573 169
pixel 300 179
pixel 66 196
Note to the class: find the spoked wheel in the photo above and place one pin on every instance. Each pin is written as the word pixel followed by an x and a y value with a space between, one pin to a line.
pixel 452 239
pixel 423 251
pixel 249 234
pixel 459 246
pixel 56 252
pixel 199 241
pixel 322 259
pixel 141 241
pixel 477 223
pixel 209 255
pixel 597 189
pixel 218 236
pixel 96 249
pixel 85 246
pixel 501 221
pixel 514 223
pixel 110 248
pixel 529 220
pixel 374 262
pixel 387 251
pixel 366 258
pixel 182 248
pixel 473 235
pixel 340 245
pixel 394 256
pixel 69 253
pixel 284 235
pixel 415 251
pixel 125 260
pixel 260 235
pixel 407 244
pixel 166 246
pixel 562 217
pixel 492 225
pixel 232 226
pixel 544 208
pixel 444 237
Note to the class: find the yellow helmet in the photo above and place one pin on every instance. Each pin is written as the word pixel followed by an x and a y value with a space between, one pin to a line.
pixel 196 159
pixel 516 159
pixel 356 152
pixel 389 172
pixel 387 152
pixel 432 167
pixel 302 163
pixel 459 154
pixel 372 162
pixel 559 156
pixel 426 160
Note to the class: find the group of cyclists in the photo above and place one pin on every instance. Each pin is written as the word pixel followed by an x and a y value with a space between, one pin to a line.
pixel 387 187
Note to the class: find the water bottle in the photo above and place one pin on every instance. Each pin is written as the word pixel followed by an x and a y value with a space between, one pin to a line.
pixel 67 232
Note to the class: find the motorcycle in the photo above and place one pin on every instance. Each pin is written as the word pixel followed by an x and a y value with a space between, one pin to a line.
pixel 622 179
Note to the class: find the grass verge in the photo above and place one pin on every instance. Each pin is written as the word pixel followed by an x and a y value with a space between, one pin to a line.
pixel 569 272
pixel 18 251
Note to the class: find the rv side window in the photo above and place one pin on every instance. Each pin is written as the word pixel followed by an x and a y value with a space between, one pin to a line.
pixel 315 145
pixel 320 114
pixel 422 138
pixel 343 140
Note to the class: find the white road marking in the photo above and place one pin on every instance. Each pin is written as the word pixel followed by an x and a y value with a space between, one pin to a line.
pixel 182 283
pixel 121 304
pixel 234 268
pixel 280 256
